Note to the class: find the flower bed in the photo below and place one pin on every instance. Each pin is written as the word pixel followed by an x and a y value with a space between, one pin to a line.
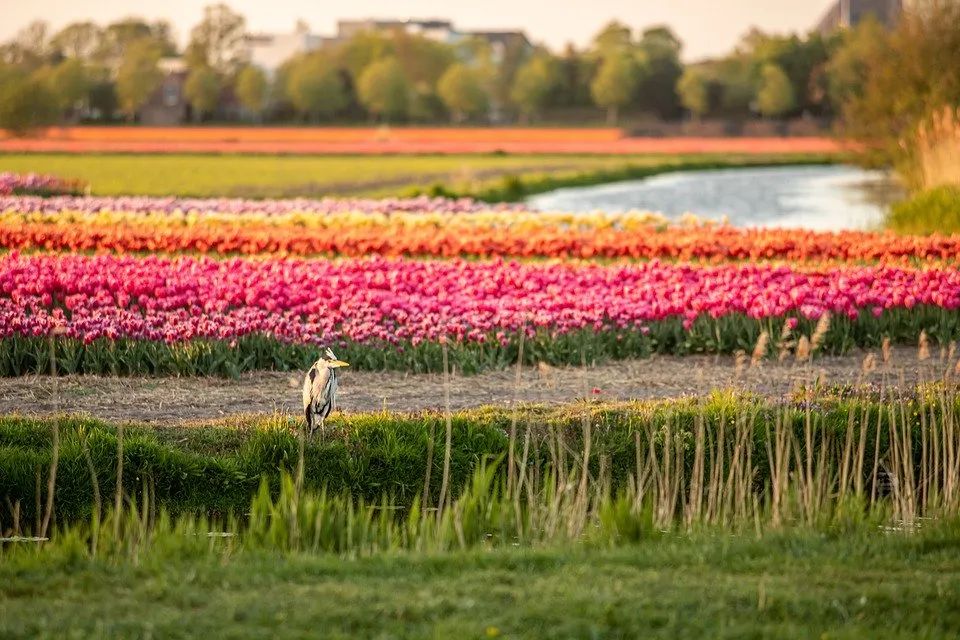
pixel 274 313
pixel 33 184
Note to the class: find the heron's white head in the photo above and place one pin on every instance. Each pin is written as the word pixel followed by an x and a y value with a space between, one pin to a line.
pixel 331 361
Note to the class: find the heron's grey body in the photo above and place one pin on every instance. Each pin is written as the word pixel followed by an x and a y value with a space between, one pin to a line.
pixel 320 390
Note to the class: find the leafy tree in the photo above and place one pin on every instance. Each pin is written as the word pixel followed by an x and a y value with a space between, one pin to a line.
pixel 78 40
pixel 217 41
pixel 532 85
pixel 573 85
pixel 70 84
pixel 251 89
pixel 659 51
pixel 694 91
pixel 139 75
pixel 615 38
pixel 462 91
pixel 118 36
pixel 315 88
pixel 202 89
pixel 775 95
pixel 614 85
pixel 383 90
pixel 848 67
pixel 26 102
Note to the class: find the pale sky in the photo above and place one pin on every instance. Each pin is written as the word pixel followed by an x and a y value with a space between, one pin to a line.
pixel 707 27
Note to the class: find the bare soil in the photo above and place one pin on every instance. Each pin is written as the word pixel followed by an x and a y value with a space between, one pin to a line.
pixel 178 400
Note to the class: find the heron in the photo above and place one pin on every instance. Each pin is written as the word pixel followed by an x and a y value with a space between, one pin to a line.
pixel 320 390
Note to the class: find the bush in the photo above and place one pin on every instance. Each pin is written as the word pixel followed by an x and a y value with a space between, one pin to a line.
pixel 935 210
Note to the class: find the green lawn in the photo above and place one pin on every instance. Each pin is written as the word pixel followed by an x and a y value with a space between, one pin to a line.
pixel 278 176
pixel 783 586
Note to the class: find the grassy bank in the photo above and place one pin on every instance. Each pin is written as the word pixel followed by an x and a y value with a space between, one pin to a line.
pixel 490 177
pixel 791 585
pixel 935 210
pixel 20 355
pixel 218 468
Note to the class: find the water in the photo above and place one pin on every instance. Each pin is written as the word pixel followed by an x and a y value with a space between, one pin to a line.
pixel 814 197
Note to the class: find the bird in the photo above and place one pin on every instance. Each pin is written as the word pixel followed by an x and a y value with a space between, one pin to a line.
pixel 320 390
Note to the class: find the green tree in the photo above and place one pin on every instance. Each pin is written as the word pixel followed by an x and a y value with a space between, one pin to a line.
pixel 217 41
pixel 775 96
pixel 383 90
pixel 26 102
pixel 77 40
pixel 70 83
pixel 533 85
pixel 314 87
pixel 615 38
pixel 139 75
pixel 614 85
pixel 462 90
pixel 202 89
pixel 693 89
pixel 251 89
pixel 120 35
pixel 848 68
pixel 659 51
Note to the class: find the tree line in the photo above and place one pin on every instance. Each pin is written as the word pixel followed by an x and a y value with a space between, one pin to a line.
pixel 88 71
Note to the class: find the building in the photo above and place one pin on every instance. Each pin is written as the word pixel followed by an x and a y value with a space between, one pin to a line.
pixel 168 105
pixel 270 50
pixel 849 13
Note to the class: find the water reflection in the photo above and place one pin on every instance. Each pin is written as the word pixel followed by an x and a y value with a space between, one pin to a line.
pixel 814 197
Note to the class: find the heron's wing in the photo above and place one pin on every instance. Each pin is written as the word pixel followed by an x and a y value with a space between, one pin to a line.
pixel 308 386
pixel 319 386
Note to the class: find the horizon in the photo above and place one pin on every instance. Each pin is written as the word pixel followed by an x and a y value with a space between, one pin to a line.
pixel 704 33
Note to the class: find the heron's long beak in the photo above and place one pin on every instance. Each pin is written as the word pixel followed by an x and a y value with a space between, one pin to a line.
pixel 338 363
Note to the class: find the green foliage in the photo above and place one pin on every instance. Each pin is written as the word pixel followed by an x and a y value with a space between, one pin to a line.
pixel 26 102
pixel 533 85
pixel 202 89
pixel 614 85
pixel 383 90
pixel 251 89
pixel 315 88
pixel 692 87
pixel 70 82
pixel 659 49
pixel 462 91
pixel 217 40
pixel 935 210
pixel 775 96
pixel 139 75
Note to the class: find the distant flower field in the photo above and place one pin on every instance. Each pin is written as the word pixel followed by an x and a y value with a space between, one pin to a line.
pixel 148 285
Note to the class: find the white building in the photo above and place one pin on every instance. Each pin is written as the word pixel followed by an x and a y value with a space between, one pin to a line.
pixel 270 50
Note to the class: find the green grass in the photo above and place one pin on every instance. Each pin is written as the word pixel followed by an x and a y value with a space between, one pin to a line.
pixel 486 176
pixel 932 211
pixel 791 585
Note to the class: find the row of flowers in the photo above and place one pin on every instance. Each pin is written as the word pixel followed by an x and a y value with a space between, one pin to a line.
pixel 404 301
pixel 450 234
pixel 38 185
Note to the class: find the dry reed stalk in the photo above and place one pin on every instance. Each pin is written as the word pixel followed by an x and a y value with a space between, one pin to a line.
pixel 885 350
pixel 937 149
pixel 803 349
pixel 55 445
pixel 760 349
pixel 784 344
pixel 820 332
pixel 740 361
pixel 923 347
pixel 511 463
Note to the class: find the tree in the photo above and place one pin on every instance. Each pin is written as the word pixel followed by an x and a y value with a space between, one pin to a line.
pixel 139 75
pixel 614 38
pixel 614 85
pixel 251 89
pixel 659 51
pixel 532 85
pixel 693 89
pixel 775 96
pixel 70 84
pixel 847 69
pixel 383 90
pixel 315 88
pixel 121 34
pixel 26 102
pixel 462 92
pixel 202 89
pixel 217 41
pixel 78 40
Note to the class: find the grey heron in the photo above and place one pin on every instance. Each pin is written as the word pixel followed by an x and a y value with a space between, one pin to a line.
pixel 320 390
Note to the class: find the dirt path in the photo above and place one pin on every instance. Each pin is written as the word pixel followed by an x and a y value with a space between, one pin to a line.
pixel 184 399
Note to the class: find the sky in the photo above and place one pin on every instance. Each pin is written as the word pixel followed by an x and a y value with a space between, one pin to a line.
pixel 707 27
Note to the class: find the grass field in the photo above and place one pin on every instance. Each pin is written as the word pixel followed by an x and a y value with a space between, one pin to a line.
pixel 291 176
pixel 781 586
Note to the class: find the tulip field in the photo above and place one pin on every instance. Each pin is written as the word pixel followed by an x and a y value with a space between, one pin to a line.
pixel 192 286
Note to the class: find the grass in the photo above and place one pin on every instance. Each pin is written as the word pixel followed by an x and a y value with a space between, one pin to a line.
pixel 492 177
pixel 935 210
pixel 784 586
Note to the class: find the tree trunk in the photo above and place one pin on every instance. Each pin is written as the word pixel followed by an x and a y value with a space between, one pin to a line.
pixel 612 116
